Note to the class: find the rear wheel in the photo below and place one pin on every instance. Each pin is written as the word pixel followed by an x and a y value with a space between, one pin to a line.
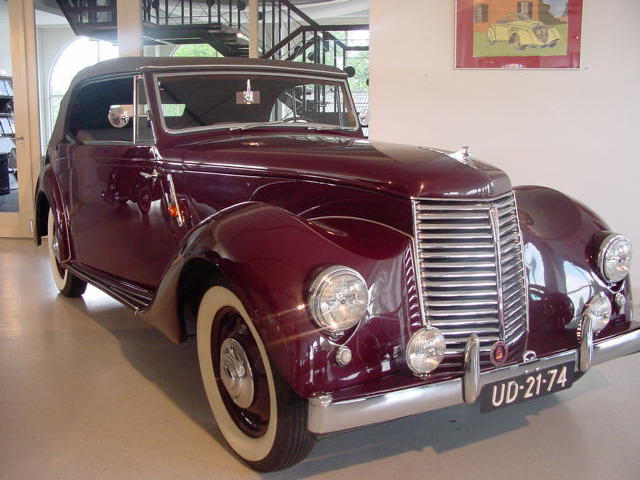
pixel 259 415
pixel 68 284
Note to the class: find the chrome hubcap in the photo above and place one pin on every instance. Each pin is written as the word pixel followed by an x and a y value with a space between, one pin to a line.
pixel 55 247
pixel 236 373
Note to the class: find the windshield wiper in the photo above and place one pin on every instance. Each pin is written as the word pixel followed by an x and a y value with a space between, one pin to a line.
pixel 248 126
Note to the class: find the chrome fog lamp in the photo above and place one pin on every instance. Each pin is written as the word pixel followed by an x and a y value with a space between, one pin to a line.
pixel 599 309
pixel 338 298
pixel 614 258
pixel 425 350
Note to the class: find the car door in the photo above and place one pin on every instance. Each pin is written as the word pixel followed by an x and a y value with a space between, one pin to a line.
pixel 118 207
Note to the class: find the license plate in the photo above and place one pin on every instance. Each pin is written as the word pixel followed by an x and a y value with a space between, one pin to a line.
pixel 525 387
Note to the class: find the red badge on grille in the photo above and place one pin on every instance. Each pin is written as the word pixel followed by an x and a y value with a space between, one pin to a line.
pixel 498 354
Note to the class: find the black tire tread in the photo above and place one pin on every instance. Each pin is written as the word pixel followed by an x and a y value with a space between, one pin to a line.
pixel 293 440
pixel 74 287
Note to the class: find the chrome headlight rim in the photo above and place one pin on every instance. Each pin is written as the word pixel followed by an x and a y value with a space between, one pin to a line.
pixel 597 324
pixel 439 357
pixel 316 288
pixel 605 245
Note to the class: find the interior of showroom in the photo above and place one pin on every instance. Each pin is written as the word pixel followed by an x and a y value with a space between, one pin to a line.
pixel 85 380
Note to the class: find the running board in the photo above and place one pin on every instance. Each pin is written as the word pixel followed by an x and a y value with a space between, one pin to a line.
pixel 133 296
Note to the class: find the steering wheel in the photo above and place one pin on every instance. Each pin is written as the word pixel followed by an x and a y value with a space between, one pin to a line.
pixel 296 120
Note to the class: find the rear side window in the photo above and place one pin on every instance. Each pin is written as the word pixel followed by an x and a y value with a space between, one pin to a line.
pixel 102 112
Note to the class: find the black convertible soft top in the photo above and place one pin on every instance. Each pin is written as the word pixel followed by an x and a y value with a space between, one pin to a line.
pixel 134 65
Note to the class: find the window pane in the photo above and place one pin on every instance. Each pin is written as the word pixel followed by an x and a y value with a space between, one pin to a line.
pixel 90 110
pixel 197 101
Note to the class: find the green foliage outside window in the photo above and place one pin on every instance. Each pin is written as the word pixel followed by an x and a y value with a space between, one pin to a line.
pixel 196 50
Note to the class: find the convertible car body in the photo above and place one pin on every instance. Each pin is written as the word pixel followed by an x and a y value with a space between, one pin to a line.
pixel 330 283
pixel 523 32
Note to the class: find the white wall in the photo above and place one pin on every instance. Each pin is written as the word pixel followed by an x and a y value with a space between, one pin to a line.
pixel 574 130
pixel 5 50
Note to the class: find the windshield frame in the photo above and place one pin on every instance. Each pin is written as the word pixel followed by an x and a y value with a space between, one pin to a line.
pixel 237 126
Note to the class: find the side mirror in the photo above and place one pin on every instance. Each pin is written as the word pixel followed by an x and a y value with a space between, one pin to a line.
pixel 364 119
pixel 119 115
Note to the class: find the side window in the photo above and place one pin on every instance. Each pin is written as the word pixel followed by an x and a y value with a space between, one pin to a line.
pixel 525 8
pixel 480 13
pixel 102 112
pixel 144 131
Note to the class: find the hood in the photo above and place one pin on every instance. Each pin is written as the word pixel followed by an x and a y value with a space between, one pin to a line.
pixel 407 171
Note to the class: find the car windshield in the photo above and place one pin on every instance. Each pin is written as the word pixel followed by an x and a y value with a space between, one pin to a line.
pixel 242 101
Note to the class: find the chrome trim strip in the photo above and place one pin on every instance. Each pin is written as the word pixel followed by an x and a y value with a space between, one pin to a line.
pixel 524 276
pixel 495 228
pixel 390 406
pixel 417 264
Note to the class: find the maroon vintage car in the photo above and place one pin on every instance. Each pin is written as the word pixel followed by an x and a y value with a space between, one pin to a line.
pixel 331 283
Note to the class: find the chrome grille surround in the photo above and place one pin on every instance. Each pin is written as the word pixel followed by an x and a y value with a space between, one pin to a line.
pixel 472 275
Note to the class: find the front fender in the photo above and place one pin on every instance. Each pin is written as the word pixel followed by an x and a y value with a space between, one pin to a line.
pixel 269 257
pixel 560 238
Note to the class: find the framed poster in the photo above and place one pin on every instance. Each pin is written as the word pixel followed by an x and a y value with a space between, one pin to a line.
pixel 518 34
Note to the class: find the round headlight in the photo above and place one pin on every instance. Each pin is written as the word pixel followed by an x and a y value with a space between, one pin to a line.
pixel 338 298
pixel 425 350
pixel 599 309
pixel 614 258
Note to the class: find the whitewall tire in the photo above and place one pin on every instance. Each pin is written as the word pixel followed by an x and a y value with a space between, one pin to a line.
pixel 68 284
pixel 258 414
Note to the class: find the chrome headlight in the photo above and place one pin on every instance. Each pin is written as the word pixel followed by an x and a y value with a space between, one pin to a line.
pixel 614 258
pixel 599 309
pixel 338 298
pixel 425 350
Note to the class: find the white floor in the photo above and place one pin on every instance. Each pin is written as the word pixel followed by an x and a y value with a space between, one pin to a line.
pixel 89 392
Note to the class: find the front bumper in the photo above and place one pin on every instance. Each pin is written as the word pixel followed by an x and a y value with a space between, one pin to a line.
pixel 325 416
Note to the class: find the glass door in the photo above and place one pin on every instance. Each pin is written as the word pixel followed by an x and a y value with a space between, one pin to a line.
pixel 19 117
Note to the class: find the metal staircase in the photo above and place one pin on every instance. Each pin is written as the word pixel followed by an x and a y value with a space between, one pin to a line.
pixel 285 31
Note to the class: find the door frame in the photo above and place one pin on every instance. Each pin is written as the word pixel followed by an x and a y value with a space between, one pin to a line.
pixel 22 30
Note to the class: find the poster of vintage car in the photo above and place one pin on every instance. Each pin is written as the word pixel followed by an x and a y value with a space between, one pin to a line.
pixel 518 34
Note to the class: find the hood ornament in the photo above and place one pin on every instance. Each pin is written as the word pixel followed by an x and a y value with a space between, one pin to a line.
pixel 463 155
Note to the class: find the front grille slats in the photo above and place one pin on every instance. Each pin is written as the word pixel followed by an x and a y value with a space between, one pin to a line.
pixel 471 269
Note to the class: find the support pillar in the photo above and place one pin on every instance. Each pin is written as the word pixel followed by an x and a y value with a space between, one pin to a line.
pixel 22 30
pixel 253 29
pixel 130 34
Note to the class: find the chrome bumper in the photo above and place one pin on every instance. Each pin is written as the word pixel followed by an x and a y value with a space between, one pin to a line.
pixel 326 416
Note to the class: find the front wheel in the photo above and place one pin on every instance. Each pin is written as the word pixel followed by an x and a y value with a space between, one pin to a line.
pixel 68 284
pixel 515 39
pixel 261 418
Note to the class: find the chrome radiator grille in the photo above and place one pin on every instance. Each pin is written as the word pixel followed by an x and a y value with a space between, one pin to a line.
pixel 471 270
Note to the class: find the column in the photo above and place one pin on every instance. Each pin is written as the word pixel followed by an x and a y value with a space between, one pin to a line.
pixel 130 34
